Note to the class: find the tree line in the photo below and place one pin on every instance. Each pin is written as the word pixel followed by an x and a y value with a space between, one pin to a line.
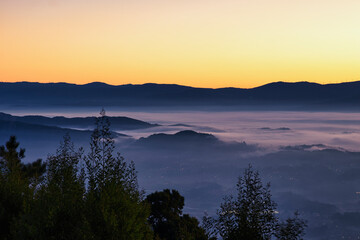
pixel 73 195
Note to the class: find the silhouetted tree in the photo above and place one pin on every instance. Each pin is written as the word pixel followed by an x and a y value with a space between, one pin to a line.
pixel 15 181
pixel 57 208
pixel 251 214
pixel 34 172
pixel 114 202
pixel 12 185
pixel 209 226
pixel 167 220
pixel 10 156
pixel 190 228
pixel 292 228
pixel 10 162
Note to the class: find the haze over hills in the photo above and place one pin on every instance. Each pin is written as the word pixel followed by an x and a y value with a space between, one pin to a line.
pixel 279 94
pixel 117 123
pixel 321 180
pixel 39 132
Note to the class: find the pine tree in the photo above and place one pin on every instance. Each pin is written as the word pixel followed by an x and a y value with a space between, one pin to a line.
pixel 251 214
pixel 13 187
pixel 114 202
pixel 18 182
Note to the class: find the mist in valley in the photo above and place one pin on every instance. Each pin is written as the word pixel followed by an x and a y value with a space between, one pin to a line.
pixel 311 159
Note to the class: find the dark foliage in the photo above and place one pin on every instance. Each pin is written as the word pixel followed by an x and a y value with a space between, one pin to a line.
pixel 17 182
pixel 292 228
pixel 167 219
pixel 92 197
pixel 115 209
pixel 251 215
pixel 56 210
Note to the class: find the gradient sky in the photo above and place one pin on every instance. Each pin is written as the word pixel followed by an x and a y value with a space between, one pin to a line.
pixel 203 43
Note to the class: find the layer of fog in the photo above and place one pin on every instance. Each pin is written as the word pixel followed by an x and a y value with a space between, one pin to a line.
pixel 270 129
pixel 310 158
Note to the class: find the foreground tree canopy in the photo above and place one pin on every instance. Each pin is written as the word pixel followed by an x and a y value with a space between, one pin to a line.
pixel 167 219
pixel 96 196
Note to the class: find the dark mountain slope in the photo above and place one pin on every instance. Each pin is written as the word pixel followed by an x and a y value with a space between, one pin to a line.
pixel 117 123
pixel 189 140
pixel 99 94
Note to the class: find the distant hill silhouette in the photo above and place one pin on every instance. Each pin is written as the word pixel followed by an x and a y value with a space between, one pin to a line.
pixel 190 140
pixel 117 123
pixel 302 94
pixel 185 136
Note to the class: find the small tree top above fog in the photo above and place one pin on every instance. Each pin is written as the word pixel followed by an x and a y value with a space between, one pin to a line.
pixel 251 214
pixel 103 164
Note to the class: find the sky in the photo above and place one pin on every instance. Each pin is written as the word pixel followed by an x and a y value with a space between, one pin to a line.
pixel 201 43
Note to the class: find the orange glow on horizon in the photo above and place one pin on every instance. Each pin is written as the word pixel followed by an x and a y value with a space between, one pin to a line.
pixel 198 43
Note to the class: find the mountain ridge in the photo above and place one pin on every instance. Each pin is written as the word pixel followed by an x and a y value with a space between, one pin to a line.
pixel 97 94
pixel 97 83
